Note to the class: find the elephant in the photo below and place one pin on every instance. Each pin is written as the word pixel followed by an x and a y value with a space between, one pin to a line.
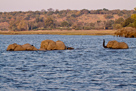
pixel 25 47
pixel 115 45
pixel 48 45
pixel 29 47
pixel 127 32
pixel 52 45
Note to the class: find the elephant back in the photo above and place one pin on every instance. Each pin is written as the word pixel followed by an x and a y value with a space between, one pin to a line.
pixel 60 45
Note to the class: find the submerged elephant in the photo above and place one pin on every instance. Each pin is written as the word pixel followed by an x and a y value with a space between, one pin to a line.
pixel 52 45
pixel 45 45
pixel 25 47
pixel 115 45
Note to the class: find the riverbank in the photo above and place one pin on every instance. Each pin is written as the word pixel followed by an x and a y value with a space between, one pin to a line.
pixel 61 32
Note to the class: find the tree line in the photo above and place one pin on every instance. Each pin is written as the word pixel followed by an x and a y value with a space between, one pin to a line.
pixel 128 22
pixel 65 19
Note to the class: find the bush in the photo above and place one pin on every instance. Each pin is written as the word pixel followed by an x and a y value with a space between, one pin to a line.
pixel 109 24
pixel 119 21
pixel 134 24
pixel 117 26
pixel 127 22
pixel 87 28
pixel 109 16
pixel 64 24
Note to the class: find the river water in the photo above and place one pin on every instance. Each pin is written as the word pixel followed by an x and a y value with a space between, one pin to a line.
pixel 89 67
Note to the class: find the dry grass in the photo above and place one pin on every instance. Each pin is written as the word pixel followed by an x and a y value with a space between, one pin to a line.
pixel 93 18
pixel 61 32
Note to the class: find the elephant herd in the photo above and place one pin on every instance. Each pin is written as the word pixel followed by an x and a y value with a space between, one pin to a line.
pixel 59 45
pixel 45 45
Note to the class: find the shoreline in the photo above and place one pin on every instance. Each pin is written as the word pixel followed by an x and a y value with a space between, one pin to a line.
pixel 60 32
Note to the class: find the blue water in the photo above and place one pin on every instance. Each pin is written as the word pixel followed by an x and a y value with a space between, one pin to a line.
pixel 89 67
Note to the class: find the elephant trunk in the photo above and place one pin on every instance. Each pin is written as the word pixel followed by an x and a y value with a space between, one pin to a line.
pixel 104 43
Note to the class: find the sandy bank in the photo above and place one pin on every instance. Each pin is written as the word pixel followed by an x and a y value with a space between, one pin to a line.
pixel 61 32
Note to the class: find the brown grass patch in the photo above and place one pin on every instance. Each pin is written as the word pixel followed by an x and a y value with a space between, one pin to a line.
pixel 61 32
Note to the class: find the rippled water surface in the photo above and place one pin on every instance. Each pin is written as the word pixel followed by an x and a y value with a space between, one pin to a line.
pixel 89 67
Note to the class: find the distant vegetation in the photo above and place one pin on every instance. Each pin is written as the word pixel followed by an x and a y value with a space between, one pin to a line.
pixel 129 30
pixel 67 19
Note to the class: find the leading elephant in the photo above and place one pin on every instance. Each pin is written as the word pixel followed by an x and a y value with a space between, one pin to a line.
pixel 115 45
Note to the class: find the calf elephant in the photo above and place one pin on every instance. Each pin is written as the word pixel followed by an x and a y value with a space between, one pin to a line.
pixel 115 45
